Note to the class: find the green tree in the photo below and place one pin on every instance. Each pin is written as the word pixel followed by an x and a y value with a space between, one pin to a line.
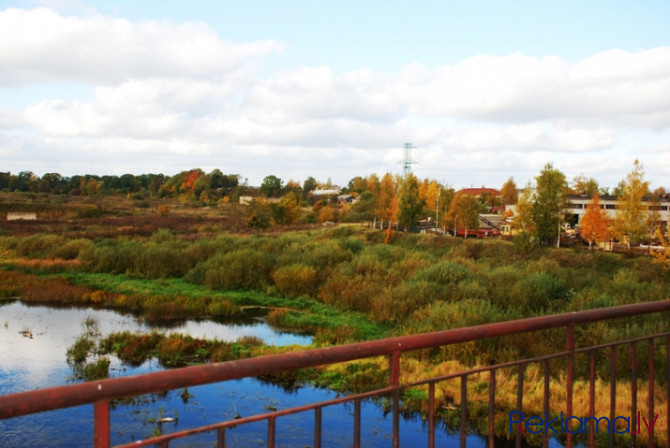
pixel 310 184
pixel 271 186
pixel 549 203
pixel 409 203
pixel 630 219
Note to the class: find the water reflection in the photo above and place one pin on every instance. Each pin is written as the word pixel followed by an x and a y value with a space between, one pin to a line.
pixel 38 362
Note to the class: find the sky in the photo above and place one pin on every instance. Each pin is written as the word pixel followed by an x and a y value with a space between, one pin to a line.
pixel 483 90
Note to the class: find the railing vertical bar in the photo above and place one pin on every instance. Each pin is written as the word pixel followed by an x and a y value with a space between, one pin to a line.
pixel 464 410
pixel 221 438
pixel 431 415
pixel 612 393
pixel 396 419
pixel 394 379
pixel 101 424
pixel 545 438
pixel 651 388
pixel 357 423
pixel 317 427
pixel 271 432
pixel 492 407
pixel 633 391
pixel 592 395
pixel 519 398
pixel 570 347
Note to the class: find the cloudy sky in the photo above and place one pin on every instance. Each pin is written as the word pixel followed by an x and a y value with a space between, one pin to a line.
pixel 483 89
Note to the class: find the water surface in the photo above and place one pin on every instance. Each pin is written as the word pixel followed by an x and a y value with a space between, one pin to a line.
pixel 33 345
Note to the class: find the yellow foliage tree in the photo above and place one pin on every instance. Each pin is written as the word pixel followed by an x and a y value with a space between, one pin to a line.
pixel 594 226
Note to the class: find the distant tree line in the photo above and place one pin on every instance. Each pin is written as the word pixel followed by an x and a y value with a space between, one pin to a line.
pixel 194 184
pixel 390 201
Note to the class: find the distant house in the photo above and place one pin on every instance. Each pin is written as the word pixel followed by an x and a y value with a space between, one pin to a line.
pixel 25 216
pixel 328 192
pixel 480 191
pixel 246 200
pixel 346 199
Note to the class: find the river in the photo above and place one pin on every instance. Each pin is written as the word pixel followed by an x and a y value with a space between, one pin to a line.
pixel 33 344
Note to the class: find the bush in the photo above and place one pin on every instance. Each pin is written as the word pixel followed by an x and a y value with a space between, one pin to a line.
pixel 111 256
pixel 71 249
pixel 295 279
pixel 537 293
pixel 240 269
pixel 40 245
pixel 445 273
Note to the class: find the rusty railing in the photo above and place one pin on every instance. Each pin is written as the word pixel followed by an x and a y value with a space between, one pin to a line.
pixel 100 393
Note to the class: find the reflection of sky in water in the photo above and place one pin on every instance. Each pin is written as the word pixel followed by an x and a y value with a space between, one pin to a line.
pixel 40 360
pixel 27 364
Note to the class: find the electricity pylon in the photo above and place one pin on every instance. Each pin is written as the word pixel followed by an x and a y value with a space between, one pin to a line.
pixel 407 161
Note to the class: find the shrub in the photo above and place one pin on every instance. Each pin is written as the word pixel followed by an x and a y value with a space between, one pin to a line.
pixel 111 256
pixel 240 269
pixel 40 245
pixel 295 279
pixel 536 292
pixel 445 273
pixel 72 248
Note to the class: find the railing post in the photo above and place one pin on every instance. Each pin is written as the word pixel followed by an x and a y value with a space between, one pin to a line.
pixel 570 347
pixel 519 399
pixel 431 415
pixel 545 393
pixel 317 427
pixel 651 389
pixel 101 424
pixel 221 438
pixel 592 394
pixel 633 392
pixel 464 409
pixel 394 380
pixel 357 423
pixel 612 393
pixel 492 406
pixel 271 432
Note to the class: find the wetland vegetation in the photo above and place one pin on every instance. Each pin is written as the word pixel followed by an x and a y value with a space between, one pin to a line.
pixel 340 283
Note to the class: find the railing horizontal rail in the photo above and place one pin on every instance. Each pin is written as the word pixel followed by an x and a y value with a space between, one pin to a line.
pixel 85 393
pixel 100 392
pixel 384 391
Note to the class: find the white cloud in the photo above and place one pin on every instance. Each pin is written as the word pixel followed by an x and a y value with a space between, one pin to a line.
pixel 182 93
pixel 40 45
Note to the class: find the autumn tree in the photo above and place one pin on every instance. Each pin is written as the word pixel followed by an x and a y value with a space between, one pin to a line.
pixel 287 210
pixel 594 225
pixel 409 203
pixel 584 186
pixel 631 213
pixel 464 213
pixel 524 218
pixel 385 209
pixel 509 192
pixel 653 220
pixel 549 204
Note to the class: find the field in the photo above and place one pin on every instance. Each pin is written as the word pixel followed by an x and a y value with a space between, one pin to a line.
pixel 341 283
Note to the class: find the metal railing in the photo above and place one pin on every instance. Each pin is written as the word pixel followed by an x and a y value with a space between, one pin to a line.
pixel 100 393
